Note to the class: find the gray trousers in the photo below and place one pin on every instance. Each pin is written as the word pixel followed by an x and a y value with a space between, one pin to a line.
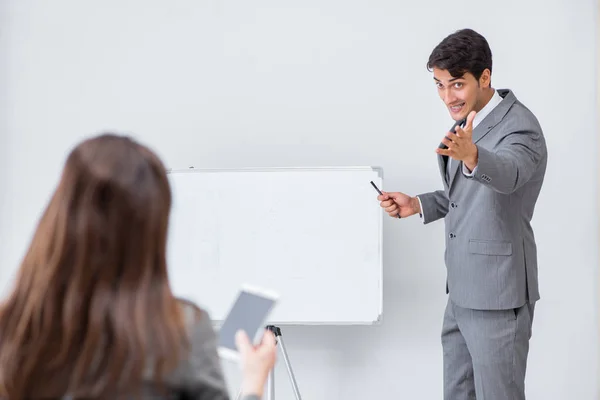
pixel 485 352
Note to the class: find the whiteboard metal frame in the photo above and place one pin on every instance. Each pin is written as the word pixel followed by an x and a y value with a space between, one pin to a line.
pixel 597 60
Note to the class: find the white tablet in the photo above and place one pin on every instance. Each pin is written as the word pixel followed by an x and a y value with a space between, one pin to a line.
pixel 249 313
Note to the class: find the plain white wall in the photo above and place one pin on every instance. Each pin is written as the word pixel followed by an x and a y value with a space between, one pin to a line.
pixel 321 82
pixel 4 138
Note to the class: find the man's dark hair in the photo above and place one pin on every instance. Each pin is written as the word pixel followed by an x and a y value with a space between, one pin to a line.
pixel 461 52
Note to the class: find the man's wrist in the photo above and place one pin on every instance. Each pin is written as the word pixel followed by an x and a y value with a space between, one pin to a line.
pixel 415 205
pixel 471 161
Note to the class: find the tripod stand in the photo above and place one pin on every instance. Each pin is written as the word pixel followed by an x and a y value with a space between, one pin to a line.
pixel 271 378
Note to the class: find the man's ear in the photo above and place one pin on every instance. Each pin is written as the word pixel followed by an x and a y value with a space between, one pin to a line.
pixel 485 79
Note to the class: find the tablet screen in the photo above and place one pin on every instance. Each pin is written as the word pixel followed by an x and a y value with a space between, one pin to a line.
pixel 248 313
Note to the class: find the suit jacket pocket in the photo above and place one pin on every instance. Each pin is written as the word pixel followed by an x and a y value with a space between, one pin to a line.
pixel 490 247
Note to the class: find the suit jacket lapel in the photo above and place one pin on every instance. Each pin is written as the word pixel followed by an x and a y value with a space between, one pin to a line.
pixel 442 160
pixel 454 166
pixel 494 118
pixel 445 162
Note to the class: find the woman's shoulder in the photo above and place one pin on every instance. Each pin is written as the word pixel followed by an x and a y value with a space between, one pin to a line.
pixel 196 319
pixel 191 311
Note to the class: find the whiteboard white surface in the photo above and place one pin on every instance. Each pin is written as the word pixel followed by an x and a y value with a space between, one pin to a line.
pixel 312 235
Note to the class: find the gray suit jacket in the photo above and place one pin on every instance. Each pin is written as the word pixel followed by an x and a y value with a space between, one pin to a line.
pixel 491 255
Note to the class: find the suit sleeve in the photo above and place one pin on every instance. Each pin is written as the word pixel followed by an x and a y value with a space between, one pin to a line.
pixel 434 205
pixel 512 163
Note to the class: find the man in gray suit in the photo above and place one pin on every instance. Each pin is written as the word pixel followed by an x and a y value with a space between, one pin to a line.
pixel 492 170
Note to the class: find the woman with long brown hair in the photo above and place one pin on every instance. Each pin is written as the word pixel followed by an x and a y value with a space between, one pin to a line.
pixel 92 314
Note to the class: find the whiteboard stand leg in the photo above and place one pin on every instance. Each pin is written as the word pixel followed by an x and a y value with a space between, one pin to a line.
pixel 271 377
pixel 271 385
pixel 277 332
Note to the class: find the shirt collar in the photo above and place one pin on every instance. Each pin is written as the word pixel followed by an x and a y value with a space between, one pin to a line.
pixel 494 101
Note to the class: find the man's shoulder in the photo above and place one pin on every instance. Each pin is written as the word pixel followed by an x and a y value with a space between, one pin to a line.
pixel 519 116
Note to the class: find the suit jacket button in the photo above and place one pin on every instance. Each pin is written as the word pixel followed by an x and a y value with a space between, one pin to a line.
pixel 452 236
pixel 453 205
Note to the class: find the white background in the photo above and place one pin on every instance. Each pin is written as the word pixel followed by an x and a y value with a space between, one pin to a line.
pixel 321 82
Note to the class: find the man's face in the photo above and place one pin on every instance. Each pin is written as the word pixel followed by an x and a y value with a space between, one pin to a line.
pixel 461 94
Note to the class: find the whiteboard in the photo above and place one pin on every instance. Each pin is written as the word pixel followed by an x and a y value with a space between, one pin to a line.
pixel 312 235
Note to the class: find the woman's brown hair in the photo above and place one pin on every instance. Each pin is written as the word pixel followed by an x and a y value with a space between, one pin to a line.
pixel 92 312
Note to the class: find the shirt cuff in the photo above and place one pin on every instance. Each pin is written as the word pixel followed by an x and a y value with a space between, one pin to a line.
pixel 466 172
pixel 421 207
